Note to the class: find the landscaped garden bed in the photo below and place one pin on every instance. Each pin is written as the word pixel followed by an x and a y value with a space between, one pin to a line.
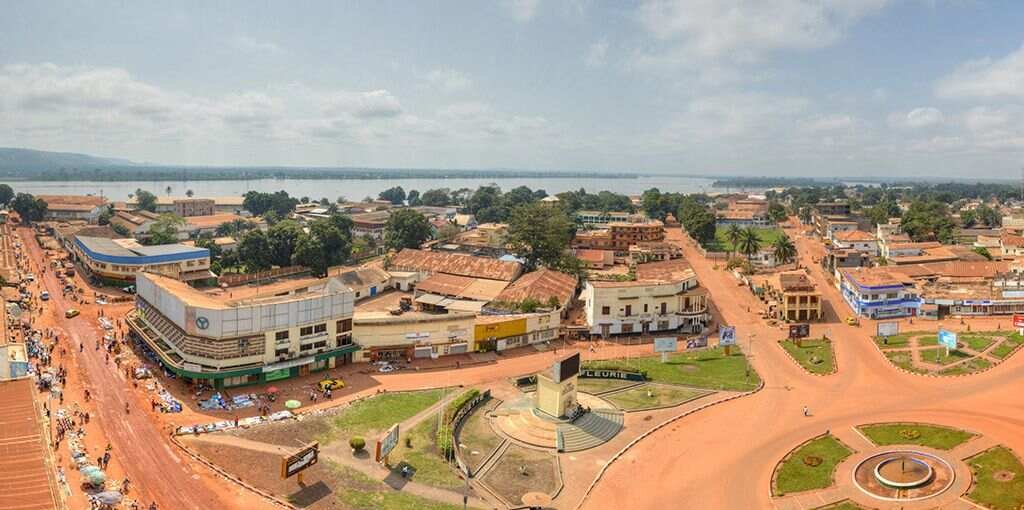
pixel 932 436
pixel 810 466
pixel 815 355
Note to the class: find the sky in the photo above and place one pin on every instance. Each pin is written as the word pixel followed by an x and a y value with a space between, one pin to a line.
pixel 828 88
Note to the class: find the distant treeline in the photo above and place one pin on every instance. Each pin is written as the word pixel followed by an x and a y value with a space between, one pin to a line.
pixel 770 182
pixel 163 173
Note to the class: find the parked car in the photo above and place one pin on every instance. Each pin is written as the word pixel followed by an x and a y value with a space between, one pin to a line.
pixel 30 277
pixel 852 321
pixel 44 295
pixel 71 313
pixel 384 369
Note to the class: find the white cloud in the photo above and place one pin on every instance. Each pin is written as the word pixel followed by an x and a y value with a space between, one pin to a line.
pixel 986 78
pixel 917 118
pixel 737 116
pixel 450 80
pixel 597 54
pixel 374 103
pixel 744 30
pixel 521 10
pixel 250 45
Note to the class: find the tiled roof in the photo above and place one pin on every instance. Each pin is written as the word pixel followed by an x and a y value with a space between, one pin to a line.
pixel 854 235
pixel 664 271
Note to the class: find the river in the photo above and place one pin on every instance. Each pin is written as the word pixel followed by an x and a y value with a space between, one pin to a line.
pixel 356 189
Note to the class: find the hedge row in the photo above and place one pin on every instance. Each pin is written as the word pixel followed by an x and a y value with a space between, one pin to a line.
pixel 446 434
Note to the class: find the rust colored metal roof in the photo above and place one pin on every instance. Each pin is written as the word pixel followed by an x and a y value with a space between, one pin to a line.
pixel 456 264
pixel 478 289
pixel 541 285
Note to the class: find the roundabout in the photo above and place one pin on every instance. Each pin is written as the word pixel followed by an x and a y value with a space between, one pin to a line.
pixel 904 475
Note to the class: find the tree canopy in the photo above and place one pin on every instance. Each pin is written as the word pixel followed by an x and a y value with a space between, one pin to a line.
pixel 406 228
pixel 540 235
pixel 28 207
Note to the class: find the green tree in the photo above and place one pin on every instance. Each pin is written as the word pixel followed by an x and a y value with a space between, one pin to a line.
pixel 988 216
pixel 260 203
pixel 750 243
pixel 395 195
pixel 254 251
pixel 145 200
pixel 448 231
pixel 983 251
pixel 310 252
pixel 776 212
pixel 697 220
pixel 105 215
pixel 928 219
pixel 406 228
pixel 6 195
pixel 189 193
pixel 413 198
pixel 733 234
pixel 121 230
pixel 539 235
pixel 165 229
pixel 29 208
pixel 436 197
pixel 282 238
pixel 784 250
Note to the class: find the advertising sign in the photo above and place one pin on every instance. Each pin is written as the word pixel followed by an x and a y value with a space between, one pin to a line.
pixel 666 344
pixel 612 374
pixel 697 343
pixel 387 443
pixel 799 330
pixel 947 339
pixel 566 368
pixel 1018 320
pixel 727 335
pixel 300 460
pixel 888 328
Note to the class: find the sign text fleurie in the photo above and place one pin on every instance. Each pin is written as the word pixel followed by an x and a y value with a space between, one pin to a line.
pixel 611 374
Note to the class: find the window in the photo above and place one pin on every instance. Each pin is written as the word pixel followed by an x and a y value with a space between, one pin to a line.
pixel 629 310
pixel 281 352
pixel 307 330
pixel 281 335
pixel 343 326
pixel 605 310
pixel 344 340
pixel 664 309
pixel 645 307
pixel 627 328
pixel 314 345
pixel 320 328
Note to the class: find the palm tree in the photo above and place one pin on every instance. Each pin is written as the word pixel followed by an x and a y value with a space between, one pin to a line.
pixel 783 250
pixel 168 190
pixel 749 242
pixel 734 233
pixel 189 193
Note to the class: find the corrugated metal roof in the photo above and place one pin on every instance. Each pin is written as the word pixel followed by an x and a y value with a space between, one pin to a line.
pixel 456 264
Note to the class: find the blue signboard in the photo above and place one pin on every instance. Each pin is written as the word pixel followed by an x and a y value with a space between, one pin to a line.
pixel 947 339
pixel 727 335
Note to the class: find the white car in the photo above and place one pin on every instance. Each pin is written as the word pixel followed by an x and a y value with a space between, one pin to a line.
pixel 105 323
pixel 386 369
pixel 30 277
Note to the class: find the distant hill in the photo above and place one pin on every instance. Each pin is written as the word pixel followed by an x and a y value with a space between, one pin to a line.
pixel 28 160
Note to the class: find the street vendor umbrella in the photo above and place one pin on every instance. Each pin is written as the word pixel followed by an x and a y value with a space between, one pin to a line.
pixel 89 469
pixel 293 404
pixel 96 478
pixel 109 497
pixel 46 377
pixel 272 389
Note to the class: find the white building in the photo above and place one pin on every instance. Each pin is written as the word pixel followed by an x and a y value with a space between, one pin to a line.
pixel 226 341
pixel 856 240
pixel 665 297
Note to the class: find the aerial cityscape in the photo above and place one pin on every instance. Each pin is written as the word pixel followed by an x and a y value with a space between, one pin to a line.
pixel 518 254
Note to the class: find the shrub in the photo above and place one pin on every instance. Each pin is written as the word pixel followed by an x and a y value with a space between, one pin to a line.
pixel 357 443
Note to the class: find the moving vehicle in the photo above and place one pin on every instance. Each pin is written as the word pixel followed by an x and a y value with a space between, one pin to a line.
pixel 30 277
pixel 852 321
pixel 71 313
pixel 44 295
pixel 331 384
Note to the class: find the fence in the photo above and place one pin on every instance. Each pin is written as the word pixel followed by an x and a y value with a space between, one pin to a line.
pixel 236 279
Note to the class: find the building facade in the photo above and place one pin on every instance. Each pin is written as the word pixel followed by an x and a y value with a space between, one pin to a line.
pixel 792 296
pixel 412 335
pixel 233 342
pixel 879 294
pixel 120 260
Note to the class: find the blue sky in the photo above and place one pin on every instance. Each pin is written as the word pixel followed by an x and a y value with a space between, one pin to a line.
pixel 759 87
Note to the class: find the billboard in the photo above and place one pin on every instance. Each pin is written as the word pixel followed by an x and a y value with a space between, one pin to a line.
pixel 727 335
pixel 300 460
pixel 387 443
pixel 799 330
pixel 697 343
pixel 888 329
pixel 947 339
pixel 566 368
pixel 1018 320
pixel 666 344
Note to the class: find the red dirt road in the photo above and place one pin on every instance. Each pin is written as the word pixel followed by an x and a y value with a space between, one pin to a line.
pixel 158 472
pixel 723 457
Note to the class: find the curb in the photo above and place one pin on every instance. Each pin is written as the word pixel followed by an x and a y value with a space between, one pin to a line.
pixel 772 490
pixel 656 428
pixel 938 375
pixel 259 492
pixel 835 364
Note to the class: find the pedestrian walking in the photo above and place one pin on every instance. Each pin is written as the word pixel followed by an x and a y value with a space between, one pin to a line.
pixel 807 412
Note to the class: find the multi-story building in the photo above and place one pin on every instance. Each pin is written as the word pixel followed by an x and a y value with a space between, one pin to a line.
pixel 120 260
pixel 857 240
pixel 383 336
pixel 188 206
pixel 665 297
pixel 73 207
pixel 501 332
pixel 744 213
pixel 601 219
pixel 618 237
pixel 194 207
pixel 137 223
pixel 878 293
pixel 214 338
pixel 792 296
pixel 834 208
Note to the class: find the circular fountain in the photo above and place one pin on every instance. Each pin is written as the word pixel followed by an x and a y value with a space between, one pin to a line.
pixel 904 475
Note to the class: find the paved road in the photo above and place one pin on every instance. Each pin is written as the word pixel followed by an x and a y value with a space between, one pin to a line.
pixel 158 473
pixel 723 457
